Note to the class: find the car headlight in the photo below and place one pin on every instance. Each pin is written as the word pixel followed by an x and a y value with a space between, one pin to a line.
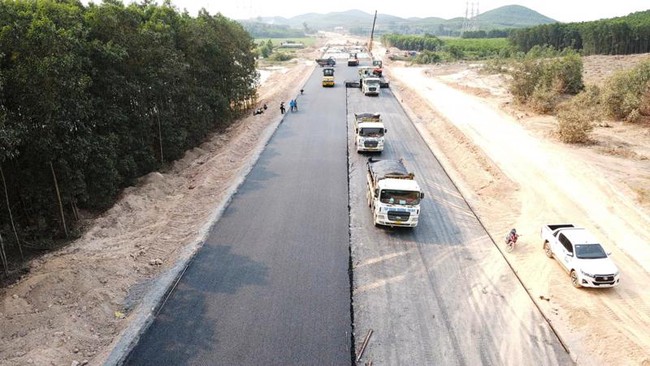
pixel 586 274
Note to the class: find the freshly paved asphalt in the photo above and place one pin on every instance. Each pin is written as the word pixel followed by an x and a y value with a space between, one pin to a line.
pixel 271 284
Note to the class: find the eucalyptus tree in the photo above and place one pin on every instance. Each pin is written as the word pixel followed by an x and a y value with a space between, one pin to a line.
pixel 46 103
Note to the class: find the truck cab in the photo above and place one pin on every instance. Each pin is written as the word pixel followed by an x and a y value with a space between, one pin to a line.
pixel 370 86
pixel 393 194
pixel 369 132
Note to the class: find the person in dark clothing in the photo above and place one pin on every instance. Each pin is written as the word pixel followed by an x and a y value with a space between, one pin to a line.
pixel 282 107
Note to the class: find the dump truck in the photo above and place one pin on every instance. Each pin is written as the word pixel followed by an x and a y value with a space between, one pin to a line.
pixel 326 61
pixel 369 132
pixel 370 73
pixel 353 60
pixel 393 194
pixel 370 86
pixel 328 76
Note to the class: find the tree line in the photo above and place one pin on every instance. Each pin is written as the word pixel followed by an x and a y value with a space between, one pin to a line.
pixel 93 97
pixel 426 42
pixel 615 36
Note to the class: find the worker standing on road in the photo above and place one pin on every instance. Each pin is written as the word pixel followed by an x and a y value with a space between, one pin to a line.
pixel 282 107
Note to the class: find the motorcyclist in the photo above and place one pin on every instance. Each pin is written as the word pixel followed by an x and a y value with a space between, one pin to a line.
pixel 512 236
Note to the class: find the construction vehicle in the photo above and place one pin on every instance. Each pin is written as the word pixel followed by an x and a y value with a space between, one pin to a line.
pixel 326 61
pixel 328 76
pixel 377 64
pixel 369 132
pixel 353 60
pixel 370 85
pixel 370 82
pixel 377 68
pixel 372 34
pixel 393 194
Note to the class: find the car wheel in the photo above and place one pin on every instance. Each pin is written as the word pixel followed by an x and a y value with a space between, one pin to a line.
pixel 575 281
pixel 547 250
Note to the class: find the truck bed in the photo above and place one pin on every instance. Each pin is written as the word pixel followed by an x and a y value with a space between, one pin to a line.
pixel 554 227
pixel 380 169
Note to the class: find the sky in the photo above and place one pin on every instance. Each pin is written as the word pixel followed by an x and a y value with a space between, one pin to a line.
pixel 560 10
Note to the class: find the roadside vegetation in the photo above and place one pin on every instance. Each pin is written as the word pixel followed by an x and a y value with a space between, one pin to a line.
pixel 92 98
pixel 277 50
pixel 545 65
pixel 429 49
pixel 550 82
pixel 615 36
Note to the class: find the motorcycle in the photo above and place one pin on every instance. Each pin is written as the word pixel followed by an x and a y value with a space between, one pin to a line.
pixel 511 240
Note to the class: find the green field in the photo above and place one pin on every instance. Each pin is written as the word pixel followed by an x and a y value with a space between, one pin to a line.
pixel 307 41
pixel 479 48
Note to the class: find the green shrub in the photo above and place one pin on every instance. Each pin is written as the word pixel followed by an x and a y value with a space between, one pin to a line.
pixel 427 57
pixel 280 56
pixel 626 94
pixel 549 77
pixel 544 100
pixel 577 117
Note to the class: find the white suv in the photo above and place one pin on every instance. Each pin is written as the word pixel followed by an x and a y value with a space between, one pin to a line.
pixel 580 254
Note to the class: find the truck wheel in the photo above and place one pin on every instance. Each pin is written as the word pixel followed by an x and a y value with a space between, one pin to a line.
pixel 547 250
pixel 575 281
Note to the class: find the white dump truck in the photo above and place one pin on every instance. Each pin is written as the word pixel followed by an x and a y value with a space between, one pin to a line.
pixel 370 85
pixel 369 132
pixel 393 193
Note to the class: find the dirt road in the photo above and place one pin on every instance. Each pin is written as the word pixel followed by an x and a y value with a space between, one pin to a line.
pixel 514 178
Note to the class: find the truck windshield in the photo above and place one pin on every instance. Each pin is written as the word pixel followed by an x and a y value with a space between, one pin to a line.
pixel 372 82
pixel 371 132
pixel 400 197
pixel 590 251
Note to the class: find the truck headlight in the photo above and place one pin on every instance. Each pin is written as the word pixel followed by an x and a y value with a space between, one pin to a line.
pixel 586 274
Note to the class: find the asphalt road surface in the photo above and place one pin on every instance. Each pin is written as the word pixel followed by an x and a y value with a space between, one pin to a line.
pixel 271 285
pixel 440 293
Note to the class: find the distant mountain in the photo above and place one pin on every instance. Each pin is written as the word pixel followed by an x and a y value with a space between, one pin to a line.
pixel 513 16
pixel 360 22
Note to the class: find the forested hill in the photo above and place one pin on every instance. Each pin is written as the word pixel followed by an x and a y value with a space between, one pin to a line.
pixel 92 98
pixel 614 36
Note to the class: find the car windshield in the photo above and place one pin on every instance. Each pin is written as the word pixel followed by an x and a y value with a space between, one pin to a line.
pixel 371 132
pixel 590 251
pixel 400 197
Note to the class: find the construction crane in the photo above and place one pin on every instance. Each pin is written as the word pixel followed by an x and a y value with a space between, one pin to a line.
pixel 372 34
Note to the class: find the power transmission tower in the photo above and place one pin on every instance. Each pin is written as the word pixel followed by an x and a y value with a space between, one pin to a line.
pixel 470 22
